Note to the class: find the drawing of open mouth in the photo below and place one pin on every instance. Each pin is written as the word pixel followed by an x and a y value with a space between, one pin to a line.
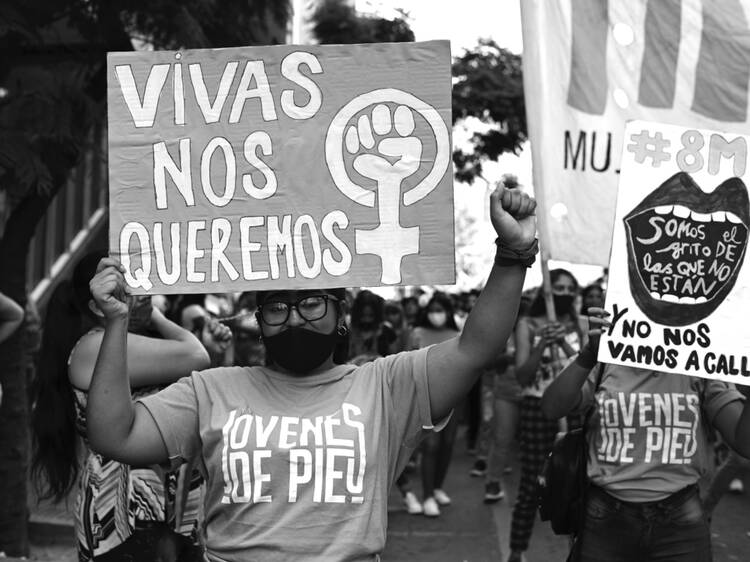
pixel 686 248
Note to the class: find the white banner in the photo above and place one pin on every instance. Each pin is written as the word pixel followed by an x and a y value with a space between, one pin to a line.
pixel 592 65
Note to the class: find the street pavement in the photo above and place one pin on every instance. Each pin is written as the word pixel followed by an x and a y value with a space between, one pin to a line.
pixel 467 531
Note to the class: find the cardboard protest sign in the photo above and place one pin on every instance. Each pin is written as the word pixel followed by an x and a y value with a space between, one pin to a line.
pixel 281 167
pixel 678 290
pixel 589 66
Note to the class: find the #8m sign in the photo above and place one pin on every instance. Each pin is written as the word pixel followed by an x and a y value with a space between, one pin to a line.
pixel 679 285
pixel 281 167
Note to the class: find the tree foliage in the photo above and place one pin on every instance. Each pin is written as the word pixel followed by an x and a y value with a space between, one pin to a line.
pixel 488 86
pixel 48 108
pixel 337 22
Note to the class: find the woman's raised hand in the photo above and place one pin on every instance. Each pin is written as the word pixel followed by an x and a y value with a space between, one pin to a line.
pixel 512 214
pixel 109 290
pixel 597 318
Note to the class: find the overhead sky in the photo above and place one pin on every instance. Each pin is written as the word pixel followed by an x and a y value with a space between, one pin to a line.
pixel 463 23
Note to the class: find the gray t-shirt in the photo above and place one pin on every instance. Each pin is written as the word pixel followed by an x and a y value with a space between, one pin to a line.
pixel 647 436
pixel 297 468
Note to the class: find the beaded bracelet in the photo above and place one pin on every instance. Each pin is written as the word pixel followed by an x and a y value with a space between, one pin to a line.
pixel 507 256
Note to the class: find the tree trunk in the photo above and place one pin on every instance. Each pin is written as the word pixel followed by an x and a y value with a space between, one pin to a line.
pixel 15 444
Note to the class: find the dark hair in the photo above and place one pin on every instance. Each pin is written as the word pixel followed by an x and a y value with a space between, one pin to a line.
pixel 443 300
pixel 363 300
pixel 54 467
pixel 538 307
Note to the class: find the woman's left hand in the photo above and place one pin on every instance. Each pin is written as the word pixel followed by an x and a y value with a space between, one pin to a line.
pixel 512 214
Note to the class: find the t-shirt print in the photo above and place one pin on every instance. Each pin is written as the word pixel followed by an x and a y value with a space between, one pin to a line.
pixel 285 458
pixel 648 427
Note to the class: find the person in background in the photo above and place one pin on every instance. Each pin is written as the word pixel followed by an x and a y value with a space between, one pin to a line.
pixel 542 348
pixel 120 511
pixel 506 408
pixel 592 296
pixel 436 325
pixel 411 310
pixel 642 502
pixel 474 399
pixel 728 476
pixel 11 318
pixel 369 336
pixel 248 347
pixel 396 320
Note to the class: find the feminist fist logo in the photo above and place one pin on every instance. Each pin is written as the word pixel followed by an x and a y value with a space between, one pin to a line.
pixel 383 148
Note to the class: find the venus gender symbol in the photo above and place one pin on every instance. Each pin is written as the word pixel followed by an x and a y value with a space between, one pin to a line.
pixel 384 149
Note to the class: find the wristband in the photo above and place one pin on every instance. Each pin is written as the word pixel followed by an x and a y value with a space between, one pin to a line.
pixel 506 256
pixel 586 358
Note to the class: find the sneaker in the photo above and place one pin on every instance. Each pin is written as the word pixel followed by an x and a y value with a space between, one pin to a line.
pixel 493 492
pixel 412 504
pixel 515 556
pixel 479 469
pixel 441 497
pixel 736 486
pixel 430 508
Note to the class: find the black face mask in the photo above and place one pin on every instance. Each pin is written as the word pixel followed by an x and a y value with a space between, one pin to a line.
pixel 300 350
pixel 563 303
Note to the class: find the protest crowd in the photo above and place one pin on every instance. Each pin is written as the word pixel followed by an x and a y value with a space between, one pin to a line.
pixel 267 353
pixel 126 511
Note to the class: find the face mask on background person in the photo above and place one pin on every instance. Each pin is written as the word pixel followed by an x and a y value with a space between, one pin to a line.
pixel 563 303
pixel 437 319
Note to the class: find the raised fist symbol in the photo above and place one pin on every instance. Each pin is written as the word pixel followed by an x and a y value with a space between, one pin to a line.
pixel 397 156
pixel 385 149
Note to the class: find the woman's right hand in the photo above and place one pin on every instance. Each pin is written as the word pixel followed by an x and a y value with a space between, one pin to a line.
pixel 597 319
pixel 109 290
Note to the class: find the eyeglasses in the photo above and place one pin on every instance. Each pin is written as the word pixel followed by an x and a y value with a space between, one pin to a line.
pixel 311 308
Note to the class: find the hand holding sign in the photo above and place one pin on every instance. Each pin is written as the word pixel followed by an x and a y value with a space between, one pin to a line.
pixel 109 290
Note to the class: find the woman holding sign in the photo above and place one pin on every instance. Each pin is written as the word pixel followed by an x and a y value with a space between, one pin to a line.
pixel 299 456
pixel 647 450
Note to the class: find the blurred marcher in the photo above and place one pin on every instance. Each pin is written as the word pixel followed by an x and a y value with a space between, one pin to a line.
pixel 506 408
pixel 396 320
pixel 411 310
pixel 249 350
pixel 474 398
pixel 592 296
pixel 542 347
pixel 437 325
pixel 369 336
pixel 728 476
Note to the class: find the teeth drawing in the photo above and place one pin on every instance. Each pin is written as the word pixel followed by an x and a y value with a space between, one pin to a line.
pixel 681 211
pixel 686 248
